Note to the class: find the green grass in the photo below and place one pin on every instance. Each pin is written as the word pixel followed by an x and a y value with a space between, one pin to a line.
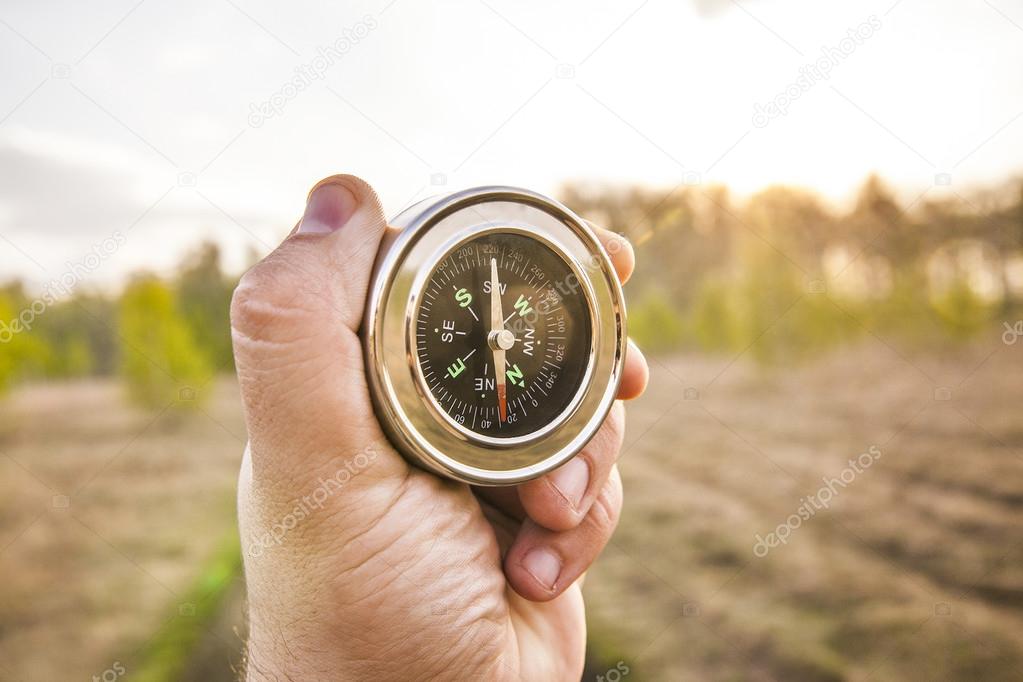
pixel 166 655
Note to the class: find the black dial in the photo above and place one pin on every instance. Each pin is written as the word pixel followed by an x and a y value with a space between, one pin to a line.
pixel 503 334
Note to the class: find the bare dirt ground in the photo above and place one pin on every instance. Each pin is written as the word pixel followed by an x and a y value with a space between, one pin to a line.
pixel 911 572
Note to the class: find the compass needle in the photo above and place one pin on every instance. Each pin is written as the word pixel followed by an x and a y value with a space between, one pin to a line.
pixel 496 327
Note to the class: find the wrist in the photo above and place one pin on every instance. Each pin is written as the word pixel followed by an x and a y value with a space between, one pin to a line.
pixel 289 656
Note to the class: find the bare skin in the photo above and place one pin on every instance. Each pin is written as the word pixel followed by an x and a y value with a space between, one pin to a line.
pixel 358 565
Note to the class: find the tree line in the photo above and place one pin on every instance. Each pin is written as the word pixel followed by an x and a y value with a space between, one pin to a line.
pixel 780 275
pixel 166 337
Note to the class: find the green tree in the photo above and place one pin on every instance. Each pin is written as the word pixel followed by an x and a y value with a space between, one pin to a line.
pixel 75 360
pixel 8 363
pixel 655 324
pixel 160 360
pixel 961 310
pixel 205 297
pixel 84 324
pixel 23 351
pixel 715 315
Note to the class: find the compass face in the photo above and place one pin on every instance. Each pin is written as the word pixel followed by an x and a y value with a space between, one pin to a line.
pixel 503 335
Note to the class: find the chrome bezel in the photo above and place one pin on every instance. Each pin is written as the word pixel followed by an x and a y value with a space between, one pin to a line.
pixel 420 238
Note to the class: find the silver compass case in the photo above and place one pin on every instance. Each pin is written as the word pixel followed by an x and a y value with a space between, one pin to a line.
pixel 419 238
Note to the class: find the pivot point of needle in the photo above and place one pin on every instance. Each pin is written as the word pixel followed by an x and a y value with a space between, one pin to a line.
pixel 502 339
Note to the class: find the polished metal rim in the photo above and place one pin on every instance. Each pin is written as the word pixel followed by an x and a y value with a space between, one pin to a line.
pixel 422 236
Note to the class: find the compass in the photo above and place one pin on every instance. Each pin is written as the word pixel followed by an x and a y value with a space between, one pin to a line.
pixel 494 335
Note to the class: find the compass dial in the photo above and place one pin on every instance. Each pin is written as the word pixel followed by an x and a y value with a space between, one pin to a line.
pixel 502 335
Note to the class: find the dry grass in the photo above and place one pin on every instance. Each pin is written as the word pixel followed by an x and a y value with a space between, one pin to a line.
pixel 150 499
pixel 861 589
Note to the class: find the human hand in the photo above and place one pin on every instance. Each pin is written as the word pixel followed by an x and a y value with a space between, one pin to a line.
pixel 358 565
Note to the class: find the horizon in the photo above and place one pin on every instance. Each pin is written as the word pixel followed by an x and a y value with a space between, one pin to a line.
pixel 998 197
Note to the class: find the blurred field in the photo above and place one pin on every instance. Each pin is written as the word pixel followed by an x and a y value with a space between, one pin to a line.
pixel 913 573
pixel 109 518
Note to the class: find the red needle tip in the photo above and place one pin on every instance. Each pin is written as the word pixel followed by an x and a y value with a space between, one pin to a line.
pixel 501 402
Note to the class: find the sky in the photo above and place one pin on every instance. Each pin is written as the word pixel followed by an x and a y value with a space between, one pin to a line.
pixel 132 130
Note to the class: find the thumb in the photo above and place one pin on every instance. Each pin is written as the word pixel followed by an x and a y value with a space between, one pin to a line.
pixel 295 319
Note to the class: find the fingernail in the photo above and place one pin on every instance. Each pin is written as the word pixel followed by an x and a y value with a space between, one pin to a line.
pixel 544 565
pixel 329 207
pixel 571 480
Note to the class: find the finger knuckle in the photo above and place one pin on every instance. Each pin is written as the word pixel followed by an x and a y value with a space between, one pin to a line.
pixel 250 309
pixel 607 508
pixel 270 297
pixel 614 430
pixel 617 421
